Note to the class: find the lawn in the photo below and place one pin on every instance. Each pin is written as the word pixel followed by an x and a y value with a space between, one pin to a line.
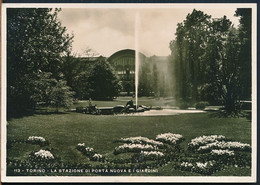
pixel 65 130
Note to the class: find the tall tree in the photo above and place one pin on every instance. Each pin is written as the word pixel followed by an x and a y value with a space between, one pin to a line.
pixel 189 47
pixel 212 59
pixel 245 59
pixel 36 43
pixel 230 71
pixel 103 83
pixel 196 28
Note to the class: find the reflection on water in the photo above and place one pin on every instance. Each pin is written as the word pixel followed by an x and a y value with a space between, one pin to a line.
pixel 163 112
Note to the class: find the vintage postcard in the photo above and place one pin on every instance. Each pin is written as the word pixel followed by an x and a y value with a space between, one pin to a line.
pixel 128 92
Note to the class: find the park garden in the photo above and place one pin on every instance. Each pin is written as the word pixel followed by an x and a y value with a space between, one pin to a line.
pixel 46 84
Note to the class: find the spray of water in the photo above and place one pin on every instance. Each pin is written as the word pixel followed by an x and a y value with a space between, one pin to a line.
pixel 137 25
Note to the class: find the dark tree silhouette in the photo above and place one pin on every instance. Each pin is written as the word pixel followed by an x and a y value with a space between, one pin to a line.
pixel 36 43
pixel 212 60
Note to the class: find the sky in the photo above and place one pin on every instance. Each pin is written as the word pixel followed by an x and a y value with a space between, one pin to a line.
pixel 107 30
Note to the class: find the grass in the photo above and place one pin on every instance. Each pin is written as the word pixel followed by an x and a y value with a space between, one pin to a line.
pixel 65 131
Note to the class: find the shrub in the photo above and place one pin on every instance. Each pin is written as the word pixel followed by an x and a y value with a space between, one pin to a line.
pixel 201 105
pixel 184 105
pixel 80 109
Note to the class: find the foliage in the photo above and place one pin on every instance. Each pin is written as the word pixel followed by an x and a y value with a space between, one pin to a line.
pixel 201 105
pixel 210 59
pixel 34 55
pixel 49 91
pixel 184 105
pixel 91 77
pixel 76 72
pixel 245 58
pixel 61 95
pixel 103 83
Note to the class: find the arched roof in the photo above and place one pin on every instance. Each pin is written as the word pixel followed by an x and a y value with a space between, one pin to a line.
pixel 124 52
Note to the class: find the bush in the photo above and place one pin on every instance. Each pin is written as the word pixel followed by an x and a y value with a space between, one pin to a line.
pixel 80 109
pixel 184 105
pixel 201 105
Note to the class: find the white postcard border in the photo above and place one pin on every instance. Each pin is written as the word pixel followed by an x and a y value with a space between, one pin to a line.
pixel 238 179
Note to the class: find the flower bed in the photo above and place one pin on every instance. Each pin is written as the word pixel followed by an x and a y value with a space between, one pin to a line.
pixel 38 140
pixel 205 168
pixel 219 151
pixel 170 138
pixel 151 155
pixel 97 157
pixel 141 140
pixel 237 146
pixel 41 156
pixel 222 152
pixel 133 148
pixel 203 140
pixel 44 154
pixel 89 152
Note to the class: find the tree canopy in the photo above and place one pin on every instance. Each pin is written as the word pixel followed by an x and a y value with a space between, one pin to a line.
pixel 212 59
pixel 36 43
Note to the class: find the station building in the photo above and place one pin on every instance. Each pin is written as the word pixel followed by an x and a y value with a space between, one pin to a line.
pixel 123 62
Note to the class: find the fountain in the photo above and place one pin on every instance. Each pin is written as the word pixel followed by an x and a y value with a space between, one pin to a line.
pixel 140 110
pixel 137 22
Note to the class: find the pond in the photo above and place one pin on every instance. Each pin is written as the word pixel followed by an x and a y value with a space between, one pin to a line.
pixel 163 112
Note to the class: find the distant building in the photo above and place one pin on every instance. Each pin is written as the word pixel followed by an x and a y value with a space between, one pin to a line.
pixel 123 62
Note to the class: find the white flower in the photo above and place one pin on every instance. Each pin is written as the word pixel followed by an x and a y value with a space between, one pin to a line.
pixel 88 149
pixel 235 144
pixel 45 154
pixel 140 140
pixel 81 144
pixel 204 165
pixel 97 156
pixel 36 138
pixel 225 145
pixel 223 152
pixel 169 137
pixel 202 140
pixel 186 164
pixel 134 147
pixel 152 153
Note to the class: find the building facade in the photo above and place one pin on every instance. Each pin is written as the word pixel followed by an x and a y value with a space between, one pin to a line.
pixel 123 62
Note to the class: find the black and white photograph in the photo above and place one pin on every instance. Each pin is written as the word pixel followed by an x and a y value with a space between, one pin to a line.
pixel 128 92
